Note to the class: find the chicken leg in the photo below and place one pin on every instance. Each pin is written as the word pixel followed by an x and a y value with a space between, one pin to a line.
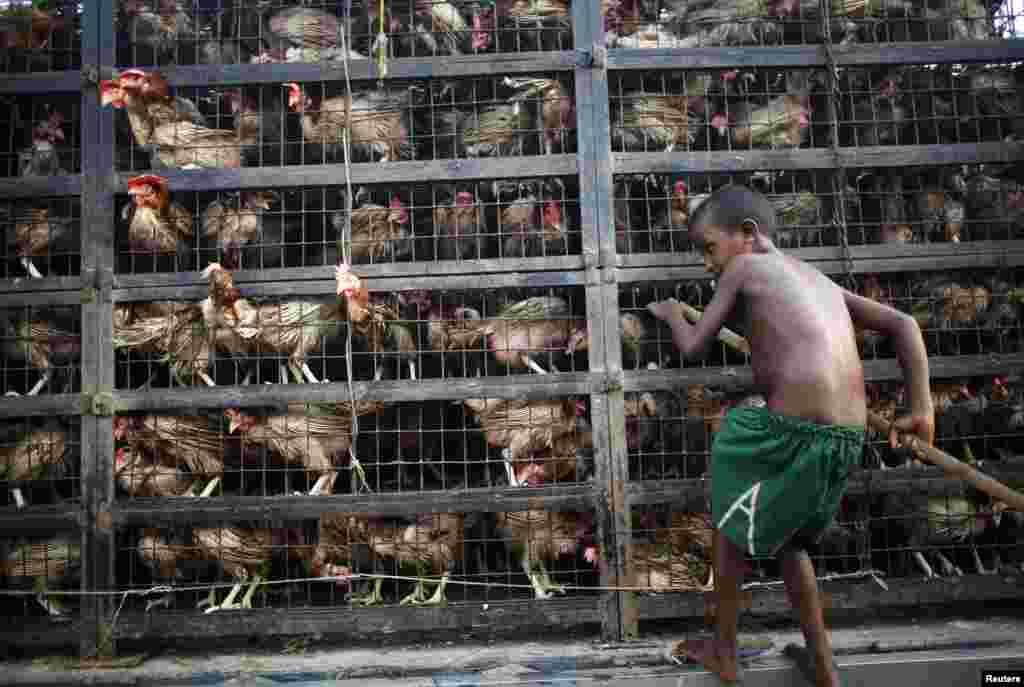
pixel 30 267
pixel 257 580
pixel 535 581
pixel 532 364
pixel 436 599
pixel 19 499
pixel 210 600
pixel 981 570
pixel 229 601
pixel 417 596
pixel 325 484
pixel 49 605
pixel 41 383
pixel 164 601
pixel 548 583
pixel 373 598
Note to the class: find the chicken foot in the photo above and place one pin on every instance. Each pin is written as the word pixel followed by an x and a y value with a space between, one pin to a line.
pixel 229 600
pixel 539 581
pixel 324 484
pixel 51 606
pixel 164 601
pixel 371 599
pixel 19 499
pixel 981 569
pixel 210 600
pixel 41 383
pixel 416 596
pixel 436 599
pixel 30 267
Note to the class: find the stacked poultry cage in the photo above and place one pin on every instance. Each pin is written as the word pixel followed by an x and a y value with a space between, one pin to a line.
pixel 342 305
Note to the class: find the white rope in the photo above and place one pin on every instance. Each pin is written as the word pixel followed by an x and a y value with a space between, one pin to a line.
pixel 168 589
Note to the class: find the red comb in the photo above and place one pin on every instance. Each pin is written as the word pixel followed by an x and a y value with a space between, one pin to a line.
pixel 147 180
pixel 463 198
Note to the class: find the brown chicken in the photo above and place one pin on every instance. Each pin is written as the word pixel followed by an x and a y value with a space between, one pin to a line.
pixel 233 228
pixel 872 288
pixel 377 123
pixel 162 553
pixel 942 216
pixel 523 15
pixel 39 233
pixel 631 330
pixel 244 554
pixel 542 323
pixel 663 568
pixel 555 465
pixel 48 344
pixel 175 331
pixel 431 545
pixel 557 112
pixel 42 564
pixel 783 121
pixel 35 455
pixel 332 556
pixel 177 440
pixel 28 32
pixel 370 320
pixel 140 475
pixel 534 536
pixel 459 228
pixel 155 224
pixel 530 226
pixel 655 123
pixel 318 437
pixel 377 232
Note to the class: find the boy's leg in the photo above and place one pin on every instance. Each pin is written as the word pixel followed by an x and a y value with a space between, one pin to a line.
pixel 802 589
pixel 719 656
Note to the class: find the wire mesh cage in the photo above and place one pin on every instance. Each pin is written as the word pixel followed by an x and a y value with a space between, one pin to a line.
pixel 362 560
pixel 292 123
pixel 679 24
pixel 39 136
pixel 42 237
pixel 34 569
pixel 930 104
pixel 257 229
pixel 40 36
pixel 163 32
pixel 225 339
pixel 41 350
pixel 734 109
pixel 40 461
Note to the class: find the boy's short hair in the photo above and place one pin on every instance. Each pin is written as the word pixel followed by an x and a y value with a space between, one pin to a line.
pixel 730 206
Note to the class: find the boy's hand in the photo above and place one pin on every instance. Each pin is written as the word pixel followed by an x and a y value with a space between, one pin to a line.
pixel 921 425
pixel 668 310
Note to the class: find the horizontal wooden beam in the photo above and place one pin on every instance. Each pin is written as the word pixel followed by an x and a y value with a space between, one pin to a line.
pixel 40 521
pixel 531 386
pixel 692 494
pixel 863 595
pixel 218 75
pixel 359 623
pixel 725 161
pixel 413 171
pixel 41 187
pixel 222 511
pixel 952 52
pixel 42 83
pixel 43 404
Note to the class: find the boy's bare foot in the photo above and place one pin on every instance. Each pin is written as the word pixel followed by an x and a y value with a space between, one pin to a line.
pixel 712 655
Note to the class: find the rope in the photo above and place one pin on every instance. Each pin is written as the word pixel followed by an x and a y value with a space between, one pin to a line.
pixel 358 476
pixel 169 589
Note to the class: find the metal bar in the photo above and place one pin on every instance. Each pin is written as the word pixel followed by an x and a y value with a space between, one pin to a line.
pixel 188 287
pixel 170 511
pixel 725 161
pixel 98 545
pixel 40 405
pixel 22 286
pixel 692 494
pixel 40 187
pixel 953 52
pixel 40 520
pixel 362 173
pixel 360 623
pixel 738 378
pixel 527 386
pixel 43 299
pixel 860 596
pixel 42 83
pixel 401 68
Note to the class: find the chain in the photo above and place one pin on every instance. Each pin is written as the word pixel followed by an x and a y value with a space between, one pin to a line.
pixel 839 176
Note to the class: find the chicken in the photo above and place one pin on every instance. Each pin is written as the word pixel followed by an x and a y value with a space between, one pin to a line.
pixel 174 331
pixel 669 226
pixel 140 473
pixel 338 532
pixel 318 437
pixel 661 568
pixel 871 288
pixel 162 552
pixel 557 114
pixel 459 227
pixel 144 96
pixel 27 36
pixel 535 24
pixel 632 332
pixel 491 131
pixel 304 34
pixel 941 215
pixel 433 544
pixel 947 305
pixel 995 206
pixel 233 228
pixel 531 226
pixel 156 225
pixel 534 536
pixel 542 323
pixel 41 158
pixel 520 427
pixel 654 123
pixel 377 232
pixel 47 344
pixel 159 26
pixel 38 232
pixel 176 441
pixel 712 23
pixel 378 124
pixel 878 117
pixel 557 465
pixel 435 27
pixel 260 130
pixel 37 454
pixel 56 560
pixel 798 219
pixel 370 320
pixel 783 121
pixel 244 554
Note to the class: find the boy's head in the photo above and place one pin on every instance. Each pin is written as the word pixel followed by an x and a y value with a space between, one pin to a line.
pixel 732 221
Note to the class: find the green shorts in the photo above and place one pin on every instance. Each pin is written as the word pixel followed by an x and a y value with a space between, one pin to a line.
pixel 775 478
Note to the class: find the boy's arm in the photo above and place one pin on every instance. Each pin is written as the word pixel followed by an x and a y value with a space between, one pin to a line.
pixel 910 351
pixel 692 340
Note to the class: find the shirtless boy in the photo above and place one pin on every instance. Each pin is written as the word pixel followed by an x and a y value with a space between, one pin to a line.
pixel 779 472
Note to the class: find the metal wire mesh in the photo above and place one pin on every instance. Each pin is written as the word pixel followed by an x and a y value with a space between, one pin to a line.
pixel 40 563
pixel 162 32
pixel 734 109
pixel 42 237
pixel 41 350
pixel 678 24
pixel 39 136
pixel 281 228
pixel 40 37
pixel 40 461
pixel 293 123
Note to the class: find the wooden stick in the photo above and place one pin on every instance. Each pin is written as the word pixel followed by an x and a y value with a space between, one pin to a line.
pixel 725 335
pixel 951 466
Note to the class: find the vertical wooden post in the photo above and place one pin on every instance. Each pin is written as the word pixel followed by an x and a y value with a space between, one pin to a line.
pixel 98 539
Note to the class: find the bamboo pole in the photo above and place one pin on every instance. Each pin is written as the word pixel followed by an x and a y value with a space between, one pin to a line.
pixel 953 467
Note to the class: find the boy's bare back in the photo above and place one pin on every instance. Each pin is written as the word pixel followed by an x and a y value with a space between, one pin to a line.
pixel 803 349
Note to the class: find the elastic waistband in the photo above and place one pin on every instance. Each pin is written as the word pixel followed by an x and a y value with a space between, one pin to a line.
pixel 795 424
